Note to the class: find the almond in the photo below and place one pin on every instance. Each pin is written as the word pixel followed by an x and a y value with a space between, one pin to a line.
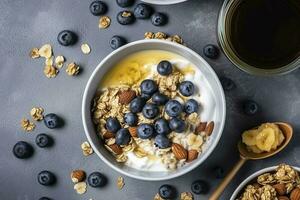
pixel 126 96
pixel 179 152
pixel 77 175
pixel 280 188
pixel 192 155
pixel 108 135
pixel 133 131
pixel 209 128
pixel 200 127
pixel 295 194
pixel 283 198
pixel 116 149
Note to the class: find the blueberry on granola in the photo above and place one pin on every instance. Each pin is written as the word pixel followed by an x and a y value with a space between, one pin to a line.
pixel 22 150
pixel 164 68
pixel 167 192
pixel 200 187
pixel 159 19
pixel 162 142
pixel 191 106
pixel 98 8
pixel 123 136
pixel 177 125
pixel 148 86
pixel 150 111
pixel 161 126
pixel 125 17
pixel 145 131
pixel 186 88
pixel 211 51
pixel 125 3
pixel 97 179
pixel 43 140
pixel 173 108
pixel 131 119
pixel 159 98
pixel 143 11
pixel 67 38
pixel 52 121
pixel 46 178
pixel 146 96
pixel 112 124
pixel 116 42
pixel 137 104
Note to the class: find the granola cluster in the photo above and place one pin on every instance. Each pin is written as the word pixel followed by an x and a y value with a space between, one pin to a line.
pixel 280 184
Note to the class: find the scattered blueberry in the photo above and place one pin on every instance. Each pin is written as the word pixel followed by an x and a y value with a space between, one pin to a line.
pixel 167 192
pixel 164 68
pixel 162 142
pixel 150 111
pixel 177 125
pixel 227 83
pixel 219 172
pixel 146 96
pixel 116 42
pixel 159 19
pixel 67 38
pixel 191 106
pixel 200 187
pixel 46 178
pixel 145 131
pixel 125 3
pixel 97 179
pixel 122 136
pixel 44 198
pixel 148 86
pixel 161 126
pixel 137 104
pixel 112 124
pixel 250 107
pixel 159 99
pixel 98 8
pixel 22 150
pixel 173 108
pixel 125 17
pixel 43 140
pixel 186 88
pixel 143 11
pixel 211 51
pixel 131 119
pixel 52 121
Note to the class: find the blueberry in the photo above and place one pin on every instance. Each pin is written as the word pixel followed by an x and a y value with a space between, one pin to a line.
pixel 191 106
pixel 125 17
pixel 98 8
pixel 22 150
pixel 164 68
pixel 186 88
pixel 177 125
pixel 161 126
pixel 43 140
pixel 46 178
pixel 145 131
pixel 137 104
pixel 146 96
pixel 150 111
pixel 131 119
pixel 211 51
pixel 159 19
pixel 117 41
pixel 52 121
pixel 173 108
pixel 227 83
pixel 250 107
pixel 97 179
pixel 44 198
pixel 219 172
pixel 122 136
pixel 143 11
pixel 125 3
pixel 148 86
pixel 159 98
pixel 162 142
pixel 200 187
pixel 112 124
pixel 67 38
pixel 167 192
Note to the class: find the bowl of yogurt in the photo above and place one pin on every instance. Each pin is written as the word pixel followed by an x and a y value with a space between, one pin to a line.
pixel 153 110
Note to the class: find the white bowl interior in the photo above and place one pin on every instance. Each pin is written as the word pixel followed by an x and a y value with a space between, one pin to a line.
pixel 111 60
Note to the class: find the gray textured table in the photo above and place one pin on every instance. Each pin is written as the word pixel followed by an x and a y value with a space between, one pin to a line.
pixel 29 23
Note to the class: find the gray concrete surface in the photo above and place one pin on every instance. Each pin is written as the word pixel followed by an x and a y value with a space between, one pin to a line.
pixel 28 23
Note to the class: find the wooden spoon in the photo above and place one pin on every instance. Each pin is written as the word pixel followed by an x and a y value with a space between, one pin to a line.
pixel 245 155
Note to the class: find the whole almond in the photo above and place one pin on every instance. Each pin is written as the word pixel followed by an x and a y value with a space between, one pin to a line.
pixel 108 135
pixel 280 188
pixel 133 131
pixel 126 96
pixel 283 198
pixel 295 194
pixel 209 128
pixel 116 149
pixel 200 127
pixel 179 152
pixel 77 175
pixel 192 155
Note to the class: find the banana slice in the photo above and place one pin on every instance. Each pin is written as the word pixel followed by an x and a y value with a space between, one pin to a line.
pixel 249 136
pixel 265 139
pixel 254 149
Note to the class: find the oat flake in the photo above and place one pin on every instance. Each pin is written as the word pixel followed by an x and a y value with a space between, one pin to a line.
pixel 86 148
pixel 85 48
pixel 59 61
pixel 45 51
pixel 120 182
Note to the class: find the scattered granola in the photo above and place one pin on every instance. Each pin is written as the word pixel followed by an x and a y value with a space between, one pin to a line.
pixel 86 148
pixel 120 182
pixel 27 125
pixel 78 175
pixel 80 187
pixel 37 113
pixel 160 35
pixel 163 36
pixel 34 53
pixel 149 35
pixel 186 196
pixel 104 22
pixel 85 48
pixel 157 197
pixel 59 61
pixel 45 51
pixel 72 69
pixel 50 71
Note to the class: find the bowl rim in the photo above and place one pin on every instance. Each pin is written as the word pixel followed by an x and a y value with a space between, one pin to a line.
pixel 253 175
pixel 184 49
pixel 163 2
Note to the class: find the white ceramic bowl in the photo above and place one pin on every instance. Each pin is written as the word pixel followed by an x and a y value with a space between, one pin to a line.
pixel 239 189
pixel 163 2
pixel 210 78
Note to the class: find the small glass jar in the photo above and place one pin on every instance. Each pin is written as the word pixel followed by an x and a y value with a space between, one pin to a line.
pixel 223 38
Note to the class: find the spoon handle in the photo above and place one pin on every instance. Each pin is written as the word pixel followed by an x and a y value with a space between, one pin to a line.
pixel 219 190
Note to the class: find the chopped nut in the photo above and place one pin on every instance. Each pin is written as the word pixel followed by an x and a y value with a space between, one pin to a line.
pixel 45 51
pixel 120 182
pixel 126 14
pixel 59 61
pixel 85 48
pixel 80 187
pixel 104 22
pixel 186 196
pixel 157 197
pixel 86 148
pixel 149 35
pixel 177 39
pixel 72 69
pixel 77 176
pixel 50 71
pixel 27 125
pixel 37 113
pixel 160 35
pixel 34 53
